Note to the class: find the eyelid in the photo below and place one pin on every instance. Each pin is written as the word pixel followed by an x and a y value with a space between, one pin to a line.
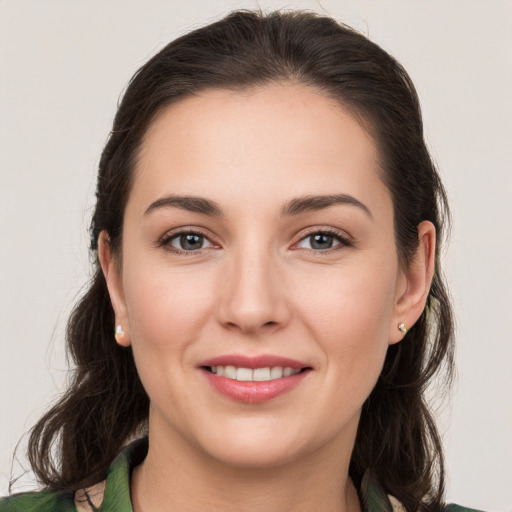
pixel 164 240
pixel 344 239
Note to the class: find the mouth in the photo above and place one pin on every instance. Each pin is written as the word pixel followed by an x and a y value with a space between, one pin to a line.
pixel 265 374
pixel 254 379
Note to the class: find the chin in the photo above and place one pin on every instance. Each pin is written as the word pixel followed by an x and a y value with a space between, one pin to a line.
pixel 264 446
pixel 254 455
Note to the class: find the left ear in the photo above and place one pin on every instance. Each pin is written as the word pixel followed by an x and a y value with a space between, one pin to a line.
pixel 414 284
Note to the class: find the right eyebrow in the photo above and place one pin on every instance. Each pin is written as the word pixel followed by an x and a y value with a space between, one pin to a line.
pixel 316 203
pixel 189 203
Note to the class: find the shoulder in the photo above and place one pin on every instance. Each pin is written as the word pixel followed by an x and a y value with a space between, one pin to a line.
pixel 375 499
pixel 112 494
pixel 42 501
pixel 84 500
pixel 458 508
pixel 396 506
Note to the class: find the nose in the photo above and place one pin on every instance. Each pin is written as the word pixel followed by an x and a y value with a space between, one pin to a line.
pixel 253 297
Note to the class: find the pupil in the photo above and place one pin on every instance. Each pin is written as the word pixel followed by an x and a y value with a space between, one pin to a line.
pixel 190 242
pixel 321 241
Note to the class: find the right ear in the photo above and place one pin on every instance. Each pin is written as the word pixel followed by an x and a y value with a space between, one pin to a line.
pixel 112 272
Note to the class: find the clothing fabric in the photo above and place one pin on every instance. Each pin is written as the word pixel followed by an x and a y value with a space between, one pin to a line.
pixel 113 494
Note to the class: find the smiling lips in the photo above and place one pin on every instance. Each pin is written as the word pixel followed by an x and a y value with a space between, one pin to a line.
pixel 254 379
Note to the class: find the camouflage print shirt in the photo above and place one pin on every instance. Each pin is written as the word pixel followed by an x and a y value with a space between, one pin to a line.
pixel 113 494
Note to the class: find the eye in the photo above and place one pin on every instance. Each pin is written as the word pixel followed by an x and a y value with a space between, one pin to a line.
pixel 189 241
pixel 322 241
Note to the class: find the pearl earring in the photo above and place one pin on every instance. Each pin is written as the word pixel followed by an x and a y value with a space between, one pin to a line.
pixel 119 334
pixel 402 328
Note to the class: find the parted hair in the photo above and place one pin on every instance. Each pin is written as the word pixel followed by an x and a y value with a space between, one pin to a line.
pixel 106 405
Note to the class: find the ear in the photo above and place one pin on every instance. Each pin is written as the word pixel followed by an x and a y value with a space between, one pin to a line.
pixel 112 272
pixel 414 283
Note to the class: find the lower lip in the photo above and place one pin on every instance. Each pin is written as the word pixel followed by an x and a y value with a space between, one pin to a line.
pixel 254 392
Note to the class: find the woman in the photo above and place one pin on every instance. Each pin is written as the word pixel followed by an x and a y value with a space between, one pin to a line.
pixel 268 305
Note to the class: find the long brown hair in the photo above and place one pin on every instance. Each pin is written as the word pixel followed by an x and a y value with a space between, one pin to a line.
pixel 397 442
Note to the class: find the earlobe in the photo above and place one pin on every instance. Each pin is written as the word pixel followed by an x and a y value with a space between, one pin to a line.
pixel 112 273
pixel 412 297
pixel 120 336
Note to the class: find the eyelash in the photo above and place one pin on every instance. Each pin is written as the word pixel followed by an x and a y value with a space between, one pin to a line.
pixel 344 241
pixel 167 239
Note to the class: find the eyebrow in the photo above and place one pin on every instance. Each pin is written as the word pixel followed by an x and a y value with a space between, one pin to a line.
pixel 314 203
pixel 295 206
pixel 189 203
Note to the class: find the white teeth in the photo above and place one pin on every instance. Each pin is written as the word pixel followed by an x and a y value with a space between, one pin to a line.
pixel 256 375
pixel 229 372
pixel 243 374
pixel 287 372
pixel 261 374
pixel 276 373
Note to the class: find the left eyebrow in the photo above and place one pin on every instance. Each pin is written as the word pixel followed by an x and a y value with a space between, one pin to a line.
pixel 314 203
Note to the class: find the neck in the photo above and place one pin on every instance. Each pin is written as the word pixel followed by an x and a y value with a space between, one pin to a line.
pixel 175 476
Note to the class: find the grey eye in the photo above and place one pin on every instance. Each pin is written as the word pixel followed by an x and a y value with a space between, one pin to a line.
pixel 319 241
pixel 190 242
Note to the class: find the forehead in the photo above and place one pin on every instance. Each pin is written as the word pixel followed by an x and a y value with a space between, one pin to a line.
pixel 264 143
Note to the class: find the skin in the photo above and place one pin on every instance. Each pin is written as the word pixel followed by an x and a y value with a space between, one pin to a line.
pixel 259 286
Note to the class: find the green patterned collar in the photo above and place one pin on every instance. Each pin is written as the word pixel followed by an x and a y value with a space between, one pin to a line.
pixel 113 494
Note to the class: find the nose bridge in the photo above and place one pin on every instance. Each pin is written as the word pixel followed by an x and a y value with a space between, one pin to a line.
pixel 253 295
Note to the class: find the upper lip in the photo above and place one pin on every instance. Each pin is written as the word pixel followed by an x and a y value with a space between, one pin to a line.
pixel 262 361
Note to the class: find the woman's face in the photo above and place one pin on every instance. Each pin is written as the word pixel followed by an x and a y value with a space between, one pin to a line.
pixel 258 243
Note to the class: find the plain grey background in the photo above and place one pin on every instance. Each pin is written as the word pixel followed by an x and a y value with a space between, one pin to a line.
pixel 64 64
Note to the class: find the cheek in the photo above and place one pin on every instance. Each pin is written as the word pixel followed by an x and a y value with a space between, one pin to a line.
pixel 349 298
pixel 167 307
pixel 349 312
pixel 167 310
